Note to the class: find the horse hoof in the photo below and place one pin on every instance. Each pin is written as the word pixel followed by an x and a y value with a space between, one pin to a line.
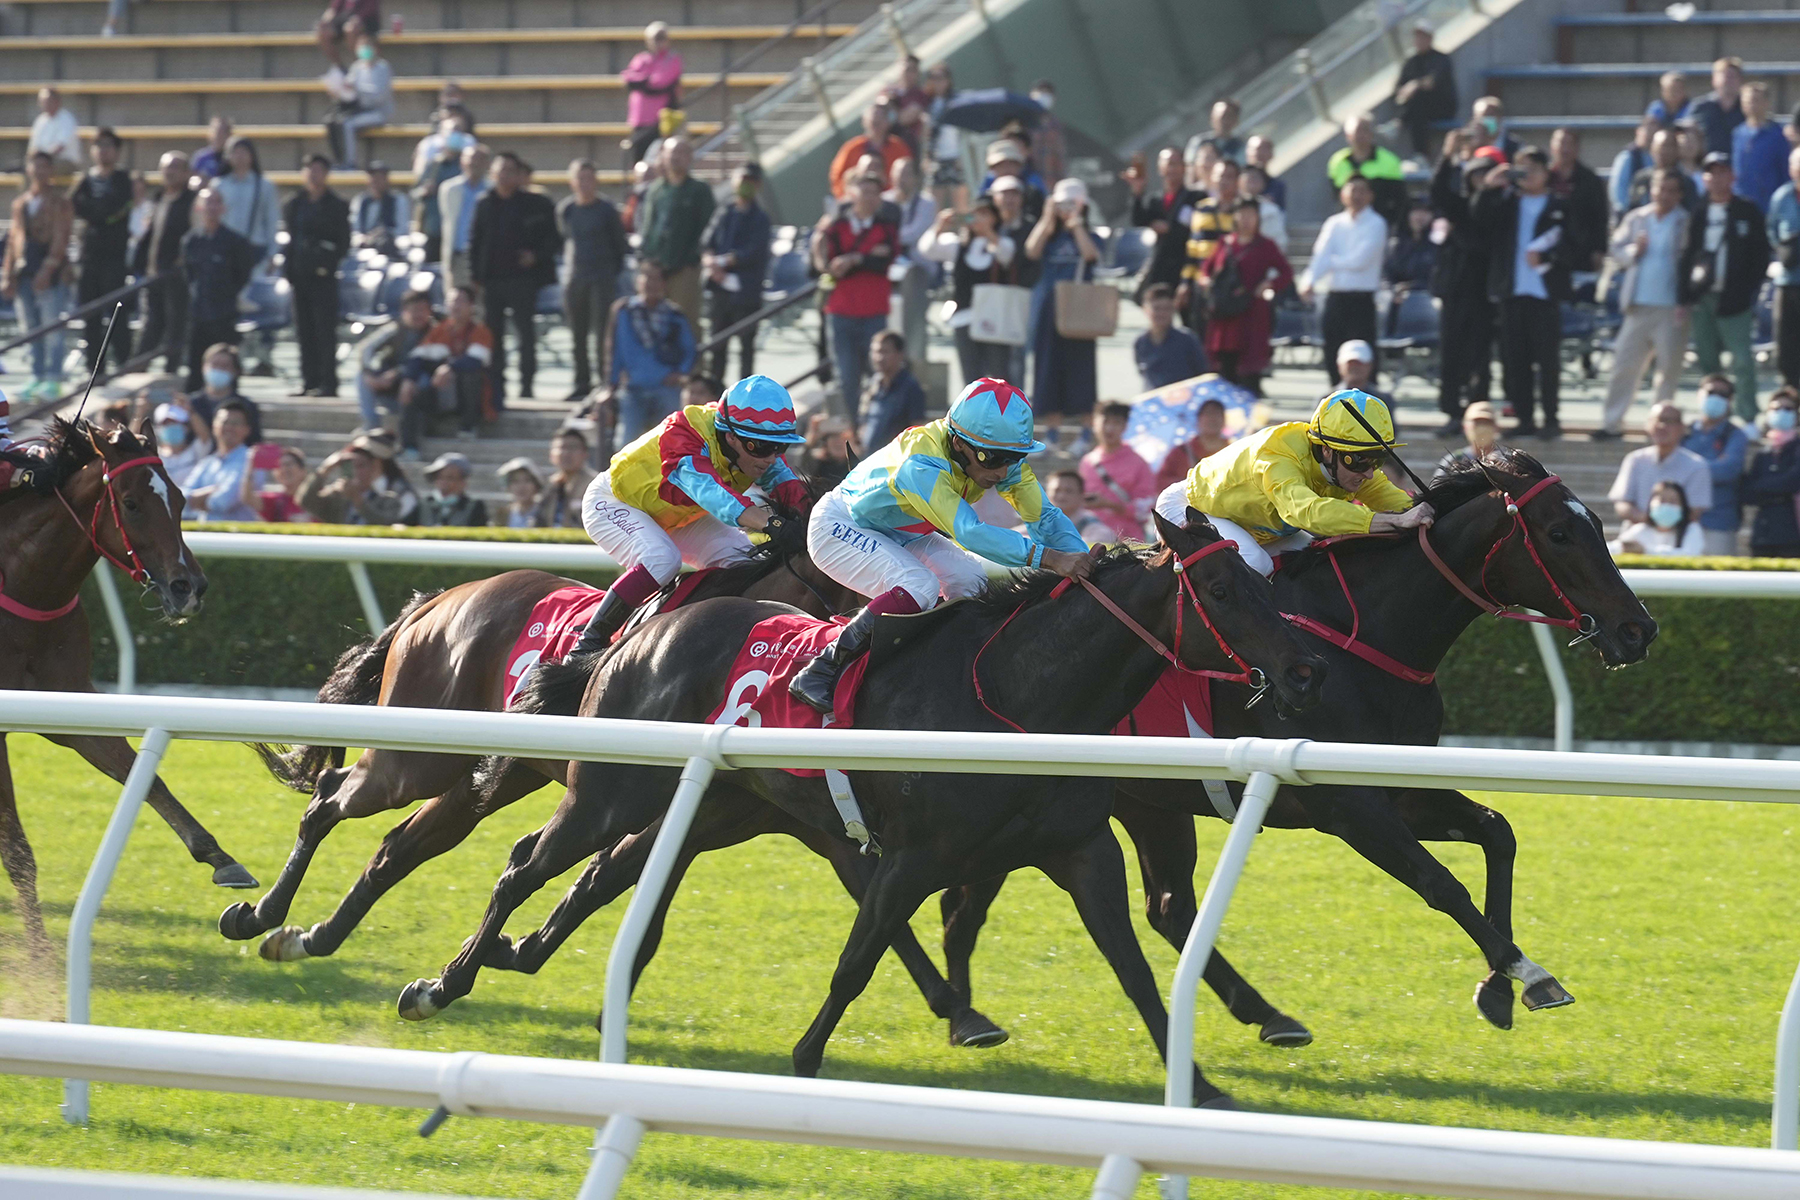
pixel 1220 1102
pixel 287 944
pixel 416 1003
pixel 1283 1030
pixel 233 875
pixel 970 1028
pixel 1546 993
pixel 1494 1000
pixel 240 923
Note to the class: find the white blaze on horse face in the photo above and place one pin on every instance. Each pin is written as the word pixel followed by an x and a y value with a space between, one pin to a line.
pixel 160 486
pixel 1579 509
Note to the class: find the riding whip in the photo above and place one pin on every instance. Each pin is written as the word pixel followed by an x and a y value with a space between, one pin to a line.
pixel 99 358
pixel 1385 445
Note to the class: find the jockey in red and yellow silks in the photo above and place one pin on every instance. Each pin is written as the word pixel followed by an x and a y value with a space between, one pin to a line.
pixel 18 468
pixel 677 495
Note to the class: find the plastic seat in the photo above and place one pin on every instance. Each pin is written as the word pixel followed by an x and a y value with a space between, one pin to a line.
pixel 1131 250
pixel 273 303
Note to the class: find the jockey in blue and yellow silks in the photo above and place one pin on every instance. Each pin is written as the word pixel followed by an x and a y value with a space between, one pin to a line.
pixel 902 530
pixel 676 495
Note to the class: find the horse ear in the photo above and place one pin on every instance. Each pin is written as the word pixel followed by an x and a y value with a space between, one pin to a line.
pixel 1165 528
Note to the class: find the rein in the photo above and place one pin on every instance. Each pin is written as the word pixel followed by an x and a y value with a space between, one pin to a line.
pixel 1245 673
pixel 135 568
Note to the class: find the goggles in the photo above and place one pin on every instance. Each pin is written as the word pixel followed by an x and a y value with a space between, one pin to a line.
pixel 757 448
pixel 993 459
pixel 1358 462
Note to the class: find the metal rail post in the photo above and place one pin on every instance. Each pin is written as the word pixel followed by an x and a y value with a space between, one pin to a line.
pixel 1315 87
pixel 816 82
pixel 1785 1134
pixel 365 592
pixel 122 635
pixel 1559 685
pixel 897 34
pixel 93 891
pixel 1118 1178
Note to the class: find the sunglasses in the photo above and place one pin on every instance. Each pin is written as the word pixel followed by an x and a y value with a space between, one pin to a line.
pixel 1356 464
pixel 757 448
pixel 997 458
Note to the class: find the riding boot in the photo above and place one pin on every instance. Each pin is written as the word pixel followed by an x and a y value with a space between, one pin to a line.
pixel 816 684
pixel 621 600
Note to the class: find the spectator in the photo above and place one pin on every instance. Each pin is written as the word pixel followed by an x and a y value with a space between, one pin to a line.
pixel 1067 492
pixel 1490 123
pixel 594 249
pixel 1692 147
pixel 1356 367
pixel 877 141
pixel 102 201
pixel 650 346
pixel 457 200
pixel 1784 244
pixel 1165 353
pixel 1064 379
pixel 1224 116
pixel 143 207
pixel 1167 209
pixel 1725 445
pixel 384 356
pixel 217 262
pixel 252 206
pixel 1426 92
pixel 1663 459
pixel 1670 529
pixel 159 252
pixel 1649 243
pixel 524 483
pixel 54 132
pixel 448 371
pixel 1119 484
pixel 910 101
pixel 181 440
pixel 1006 159
pixel 512 257
pixel 1759 149
pixel 1411 258
pixel 1465 314
pixel 1627 164
pixel 736 262
pixel 361 485
pixel 1726 261
pixel 1243 276
pixel 949 182
pixel 116 11
pixel 673 220
pixel 1773 482
pixel 433 167
pixel 1008 194
pixel 365 99
pixel 653 77
pixel 1665 153
pixel 210 160
pixel 36 271
pixel 1579 188
pixel 1671 103
pixel 317 222
pixel 1212 219
pixel 892 400
pixel 219 386
pixel 1253 183
pixel 1720 111
pixel 1532 244
pixel 340 24
pixel 380 214
pixel 220 487
pixel 855 247
pixel 1347 253
pixel 278 500
pixel 1362 158
pixel 1259 152
pixel 915 275
pixel 447 123
pixel 560 507
pixel 449 502
pixel 978 254
pixel 1481 433
pixel 1209 438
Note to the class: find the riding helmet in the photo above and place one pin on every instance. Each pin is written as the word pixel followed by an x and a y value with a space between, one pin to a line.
pixel 995 415
pixel 1334 425
pixel 758 407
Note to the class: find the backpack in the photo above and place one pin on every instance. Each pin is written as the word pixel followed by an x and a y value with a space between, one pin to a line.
pixel 1229 295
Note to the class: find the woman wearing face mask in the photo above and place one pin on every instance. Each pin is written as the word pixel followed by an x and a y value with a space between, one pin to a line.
pixel 176 440
pixel 437 160
pixel 1725 445
pixel 220 373
pixel 1773 481
pixel 365 99
pixel 1670 529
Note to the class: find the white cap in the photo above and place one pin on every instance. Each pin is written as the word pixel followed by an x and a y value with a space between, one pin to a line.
pixel 1356 350
pixel 1006 183
pixel 170 413
pixel 1424 26
pixel 1069 191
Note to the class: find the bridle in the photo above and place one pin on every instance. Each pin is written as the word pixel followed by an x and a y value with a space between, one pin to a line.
pixel 133 567
pixel 1185 594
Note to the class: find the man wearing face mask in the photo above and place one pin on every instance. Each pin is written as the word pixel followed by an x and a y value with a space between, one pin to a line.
pixel 1725 446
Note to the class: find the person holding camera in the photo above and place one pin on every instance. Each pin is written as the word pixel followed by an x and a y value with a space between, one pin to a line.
pixel 1648 244
pixel 1726 259
pixel 1064 379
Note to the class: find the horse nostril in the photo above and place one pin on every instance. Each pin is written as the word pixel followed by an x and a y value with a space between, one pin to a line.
pixel 1300 677
pixel 1631 633
pixel 1302 670
pixel 180 586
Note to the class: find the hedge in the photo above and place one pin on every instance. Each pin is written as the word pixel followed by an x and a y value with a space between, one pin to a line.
pixel 1721 670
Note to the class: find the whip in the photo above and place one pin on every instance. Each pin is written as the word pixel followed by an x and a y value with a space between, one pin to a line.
pixel 98 359
pixel 1385 445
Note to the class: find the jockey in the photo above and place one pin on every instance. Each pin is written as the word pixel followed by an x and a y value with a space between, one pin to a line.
pixel 18 466
pixel 1277 490
pixel 677 495
pixel 901 527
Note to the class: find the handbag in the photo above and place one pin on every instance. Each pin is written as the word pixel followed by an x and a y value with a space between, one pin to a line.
pixel 999 313
pixel 1229 296
pixel 1085 311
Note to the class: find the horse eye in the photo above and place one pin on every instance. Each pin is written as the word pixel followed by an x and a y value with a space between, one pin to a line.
pixel 1218 591
pixel 131 505
pixel 1560 536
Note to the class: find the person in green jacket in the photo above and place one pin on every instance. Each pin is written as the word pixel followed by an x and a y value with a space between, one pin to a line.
pixel 1362 155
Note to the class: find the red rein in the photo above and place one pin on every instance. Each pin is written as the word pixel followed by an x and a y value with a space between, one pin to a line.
pixel 133 565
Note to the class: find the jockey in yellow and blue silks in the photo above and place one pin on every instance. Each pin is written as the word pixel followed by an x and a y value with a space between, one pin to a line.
pixel 676 495
pixel 1278 489
pixel 902 527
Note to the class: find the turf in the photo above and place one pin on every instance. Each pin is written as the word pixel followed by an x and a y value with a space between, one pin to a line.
pixel 1669 920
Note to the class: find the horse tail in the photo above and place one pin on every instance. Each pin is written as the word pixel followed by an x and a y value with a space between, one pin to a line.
pixel 356 679
pixel 555 688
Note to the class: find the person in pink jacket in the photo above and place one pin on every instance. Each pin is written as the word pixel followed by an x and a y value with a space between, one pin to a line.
pixel 653 78
pixel 1120 485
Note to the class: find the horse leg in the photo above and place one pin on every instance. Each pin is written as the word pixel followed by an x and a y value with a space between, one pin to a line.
pixel 113 756
pixel 21 867
pixel 964 910
pixel 437 827
pixel 1365 819
pixel 1167 858
pixel 1440 815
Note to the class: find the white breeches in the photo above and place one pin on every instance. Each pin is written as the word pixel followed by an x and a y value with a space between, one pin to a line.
pixel 634 539
pixel 871 563
pixel 1172 506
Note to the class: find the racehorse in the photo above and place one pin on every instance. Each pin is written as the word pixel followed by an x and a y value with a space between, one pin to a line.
pixel 1508 534
pixel 1032 654
pixel 103 496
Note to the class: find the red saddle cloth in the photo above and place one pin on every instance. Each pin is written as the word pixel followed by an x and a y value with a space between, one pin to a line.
pixel 1177 705
pixel 756 694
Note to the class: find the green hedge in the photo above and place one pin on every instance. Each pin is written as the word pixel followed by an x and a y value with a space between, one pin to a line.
pixel 1721 670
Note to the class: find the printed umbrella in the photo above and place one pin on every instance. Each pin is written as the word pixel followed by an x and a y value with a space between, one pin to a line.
pixel 1170 415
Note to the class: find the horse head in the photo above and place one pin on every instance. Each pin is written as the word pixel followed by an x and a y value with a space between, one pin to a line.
pixel 131 513
pixel 1239 627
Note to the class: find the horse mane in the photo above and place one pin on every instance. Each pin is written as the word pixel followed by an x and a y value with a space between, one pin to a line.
pixel 1016 590
pixel 68 447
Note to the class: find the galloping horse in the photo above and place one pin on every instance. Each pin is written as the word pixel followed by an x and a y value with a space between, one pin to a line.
pixel 105 497
pixel 1056 662
pixel 1386 611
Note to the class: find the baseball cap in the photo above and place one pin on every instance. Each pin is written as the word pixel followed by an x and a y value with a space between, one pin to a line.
pixel 521 463
pixel 1006 183
pixel 1004 150
pixel 1069 191
pixel 375 164
pixel 1481 410
pixel 452 459
pixel 1718 158
pixel 1358 350
pixel 171 413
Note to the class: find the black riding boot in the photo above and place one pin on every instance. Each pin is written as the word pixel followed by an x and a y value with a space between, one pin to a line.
pixel 816 684
pixel 607 620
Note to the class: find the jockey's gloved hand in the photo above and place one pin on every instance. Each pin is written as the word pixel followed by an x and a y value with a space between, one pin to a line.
pixel 1068 564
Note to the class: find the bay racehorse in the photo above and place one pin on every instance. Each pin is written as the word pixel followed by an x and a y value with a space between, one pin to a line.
pixel 1025 655
pixel 1385 611
pixel 102 496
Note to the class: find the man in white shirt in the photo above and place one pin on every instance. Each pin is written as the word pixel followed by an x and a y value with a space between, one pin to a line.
pixel 1532 245
pixel 1648 244
pixel 54 132
pixel 1348 252
pixel 456 204
pixel 1665 458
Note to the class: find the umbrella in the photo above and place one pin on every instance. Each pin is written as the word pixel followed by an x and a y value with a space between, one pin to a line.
pixel 1165 418
pixel 983 110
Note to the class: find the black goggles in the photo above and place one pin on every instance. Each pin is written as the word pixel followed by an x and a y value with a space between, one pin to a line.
pixel 1356 463
pixel 758 448
pixel 996 458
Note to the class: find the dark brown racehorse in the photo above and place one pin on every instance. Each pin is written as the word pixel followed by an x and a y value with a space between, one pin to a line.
pixel 100 496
